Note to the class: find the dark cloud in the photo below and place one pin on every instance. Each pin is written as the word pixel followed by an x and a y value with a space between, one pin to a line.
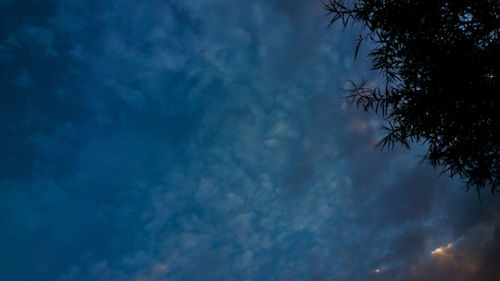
pixel 208 140
pixel 470 258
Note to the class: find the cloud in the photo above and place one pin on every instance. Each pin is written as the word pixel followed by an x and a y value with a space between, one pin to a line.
pixel 206 140
pixel 468 259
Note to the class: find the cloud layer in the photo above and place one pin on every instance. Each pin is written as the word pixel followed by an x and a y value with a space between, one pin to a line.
pixel 209 140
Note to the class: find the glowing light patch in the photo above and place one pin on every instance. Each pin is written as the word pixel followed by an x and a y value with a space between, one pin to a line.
pixel 377 270
pixel 441 250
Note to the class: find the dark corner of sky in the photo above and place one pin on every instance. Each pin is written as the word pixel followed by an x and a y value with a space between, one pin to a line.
pixel 210 140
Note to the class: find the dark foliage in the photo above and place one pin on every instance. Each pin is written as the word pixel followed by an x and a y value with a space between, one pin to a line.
pixel 440 62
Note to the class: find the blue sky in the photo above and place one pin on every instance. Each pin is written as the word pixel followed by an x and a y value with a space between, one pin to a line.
pixel 209 140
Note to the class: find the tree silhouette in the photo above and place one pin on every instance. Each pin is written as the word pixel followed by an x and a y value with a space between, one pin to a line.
pixel 440 62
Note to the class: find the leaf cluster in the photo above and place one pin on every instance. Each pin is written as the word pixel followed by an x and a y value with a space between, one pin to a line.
pixel 440 62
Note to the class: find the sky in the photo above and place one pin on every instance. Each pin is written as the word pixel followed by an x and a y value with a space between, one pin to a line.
pixel 210 140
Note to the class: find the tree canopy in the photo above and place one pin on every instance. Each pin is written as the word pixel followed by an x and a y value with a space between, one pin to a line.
pixel 440 62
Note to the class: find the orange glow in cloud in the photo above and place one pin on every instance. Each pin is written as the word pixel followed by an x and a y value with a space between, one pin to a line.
pixel 441 250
